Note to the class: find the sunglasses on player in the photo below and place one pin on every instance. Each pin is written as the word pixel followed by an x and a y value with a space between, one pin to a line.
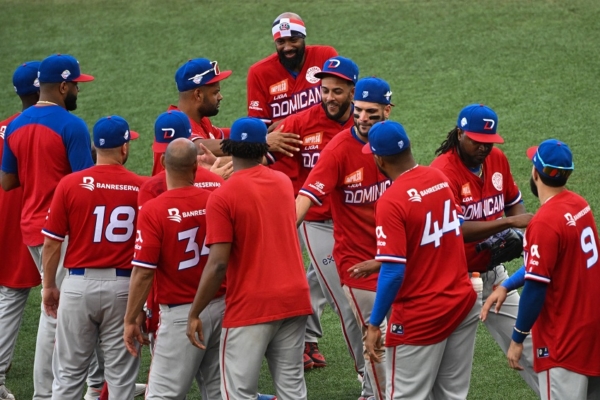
pixel 554 171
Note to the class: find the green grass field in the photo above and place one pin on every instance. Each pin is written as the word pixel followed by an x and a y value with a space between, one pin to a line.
pixel 535 62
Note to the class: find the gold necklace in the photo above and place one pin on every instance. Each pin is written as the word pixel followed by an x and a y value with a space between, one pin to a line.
pixel 46 102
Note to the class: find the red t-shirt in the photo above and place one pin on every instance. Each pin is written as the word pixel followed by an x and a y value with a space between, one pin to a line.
pixel 18 269
pixel 315 130
pixel 42 145
pixel 255 211
pixel 481 199
pixel 274 93
pixel 418 225
pixel 157 184
pixel 354 184
pixel 171 232
pixel 561 249
pixel 97 208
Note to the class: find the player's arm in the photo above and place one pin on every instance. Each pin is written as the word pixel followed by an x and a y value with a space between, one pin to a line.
pixel 498 296
pixel 139 287
pixel 9 178
pixel 303 204
pixel 210 282
pixel 50 260
pixel 479 230
pixel 9 181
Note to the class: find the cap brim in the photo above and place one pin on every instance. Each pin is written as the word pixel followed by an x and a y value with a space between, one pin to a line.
pixel 220 77
pixel 83 78
pixel 322 75
pixel 531 152
pixel 134 135
pixel 484 137
pixel 159 147
pixel 366 149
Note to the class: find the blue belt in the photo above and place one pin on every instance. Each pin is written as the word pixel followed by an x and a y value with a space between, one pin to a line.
pixel 81 271
pixel 176 305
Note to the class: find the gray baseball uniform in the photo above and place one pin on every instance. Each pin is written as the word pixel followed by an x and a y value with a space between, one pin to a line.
pixel 560 383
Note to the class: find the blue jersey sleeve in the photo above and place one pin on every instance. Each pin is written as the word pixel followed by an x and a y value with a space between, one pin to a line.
pixel 9 161
pixel 530 307
pixel 389 282
pixel 516 280
pixel 76 138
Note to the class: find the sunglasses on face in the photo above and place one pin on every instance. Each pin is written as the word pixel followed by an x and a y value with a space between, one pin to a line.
pixel 555 172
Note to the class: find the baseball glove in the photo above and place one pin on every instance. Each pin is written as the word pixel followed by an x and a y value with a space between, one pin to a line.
pixel 504 246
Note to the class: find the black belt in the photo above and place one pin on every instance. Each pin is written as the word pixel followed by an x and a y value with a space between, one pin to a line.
pixel 118 272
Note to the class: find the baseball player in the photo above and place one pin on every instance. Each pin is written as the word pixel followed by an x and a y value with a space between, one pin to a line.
pixel 483 185
pixel 423 277
pixel 198 83
pixel 18 273
pixel 253 241
pixel 316 127
pixel 97 208
pixel 354 184
pixel 170 244
pixel 559 301
pixel 26 163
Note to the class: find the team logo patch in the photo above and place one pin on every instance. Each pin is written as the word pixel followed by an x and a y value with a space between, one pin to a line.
pixel 570 220
pixel 36 83
pixel 88 183
pixel 2 131
pixel 279 87
pixel 168 133
pixel 102 142
pixel 497 181
pixel 397 329
pixel 463 122
pixel 333 63
pixel 313 139
pixel 310 74
pixel 319 186
pixel 284 26
pixel 543 352
pixel 466 190
pixel 65 74
pixel 365 94
pixel 174 215
pixel 254 103
pixel 388 95
pixel 355 177
pixel 413 195
pixel 196 78
pixel 489 124
pixel 244 136
pixel 401 144
pixel 126 135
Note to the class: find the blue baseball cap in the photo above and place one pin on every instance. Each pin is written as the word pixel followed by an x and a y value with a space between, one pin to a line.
pixel 248 130
pixel 61 68
pixel 386 138
pixel 373 90
pixel 552 159
pixel 25 78
pixel 341 67
pixel 198 72
pixel 479 123
pixel 169 126
pixel 112 131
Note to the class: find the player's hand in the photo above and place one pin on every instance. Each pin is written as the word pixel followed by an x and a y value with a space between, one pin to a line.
pixel 515 350
pixel 207 158
pixel 132 334
pixel 50 297
pixel 194 332
pixel 498 296
pixel 282 142
pixel 373 342
pixel 364 269
pixel 520 221
pixel 224 171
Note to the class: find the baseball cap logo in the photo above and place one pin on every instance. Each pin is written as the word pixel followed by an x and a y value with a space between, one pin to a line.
pixel 174 214
pixel 388 95
pixel 88 183
pixel 333 63
pixel 102 142
pixel 489 124
pixel 401 144
pixel 36 83
pixel 244 136
pixel 169 133
pixel 463 122
pixel 65 74
pixel 126 135
pixel 365 94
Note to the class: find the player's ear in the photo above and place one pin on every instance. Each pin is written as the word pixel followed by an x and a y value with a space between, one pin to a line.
pixel 534 173
pixel 386 111
pixel 198 94
pixel 63 87
pixel 162 160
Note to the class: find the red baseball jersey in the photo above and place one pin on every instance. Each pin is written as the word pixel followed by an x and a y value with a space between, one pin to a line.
pixel 255 211
pixel 481 199
pixel 354 183
pixel 418 225
pixel 561 249
pixel 157 184
pixel 42 145
pixel 18 269
pixel 97 208
pixel 171 232
pixel 315 130
pixel 274 93
pixel 203 130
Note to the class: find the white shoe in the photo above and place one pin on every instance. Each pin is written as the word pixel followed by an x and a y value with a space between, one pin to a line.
pixel 92 393
pixel 140 389
pixel 5 394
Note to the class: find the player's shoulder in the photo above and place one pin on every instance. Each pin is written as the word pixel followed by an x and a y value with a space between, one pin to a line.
pixel 264 66
pixel 341 141
pixel 444 161
pixel 321 51
pixel 7 121
pixel 497 156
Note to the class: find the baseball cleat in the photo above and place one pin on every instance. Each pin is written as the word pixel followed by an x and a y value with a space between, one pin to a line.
pixel 312 350
pixel 91 394
pixel 5 394
pixel 266 397
pixel 308 362
pixel 140 389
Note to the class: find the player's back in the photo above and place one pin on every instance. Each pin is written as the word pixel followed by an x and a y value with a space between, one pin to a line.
pixel 157 184
pixel 436 293
pixel 98 209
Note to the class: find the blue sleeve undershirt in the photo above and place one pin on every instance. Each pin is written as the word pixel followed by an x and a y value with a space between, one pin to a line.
pixel 530 306
pixel 76 139
pixel 516 280
pixel 389 282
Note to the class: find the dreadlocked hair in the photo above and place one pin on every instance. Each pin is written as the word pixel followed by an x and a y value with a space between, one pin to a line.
pixel 249 151
pixel 450 143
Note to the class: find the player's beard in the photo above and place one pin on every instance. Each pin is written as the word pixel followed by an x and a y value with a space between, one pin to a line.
pixel 208 110
pixel 294 62
pixel 533 187
pixel 342 110
pixel 71 102
pixel 382 171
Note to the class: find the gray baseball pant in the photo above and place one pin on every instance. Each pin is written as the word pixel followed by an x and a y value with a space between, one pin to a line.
pixel 12 306
pixel 242 351
pixel 314 330
pixel 176 362
pixel 318 237
pixel 439 371
pixel 501 325
pixel 44 346
pixel 91 311
pixel 560 383
pixel 361 302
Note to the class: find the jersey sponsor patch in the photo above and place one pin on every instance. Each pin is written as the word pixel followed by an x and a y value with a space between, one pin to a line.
pixel 88 183
pixel 328 260
pixel 465 191
pixel 497 181
pixel 279 87
pixel 397 329
pixel 310 74
pixel 572 219
pixel 543 352
pixel 2 131
pixel 176 216
pixel 313 139
pixel 355 177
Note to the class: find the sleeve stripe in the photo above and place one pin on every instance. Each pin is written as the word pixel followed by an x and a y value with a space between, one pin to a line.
pixel 389 258
pixel 270 158
pixel 538 278
pixel 53 235
pixel 266 121
pixel 515 201
pixel 311 196
pixel 143 264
